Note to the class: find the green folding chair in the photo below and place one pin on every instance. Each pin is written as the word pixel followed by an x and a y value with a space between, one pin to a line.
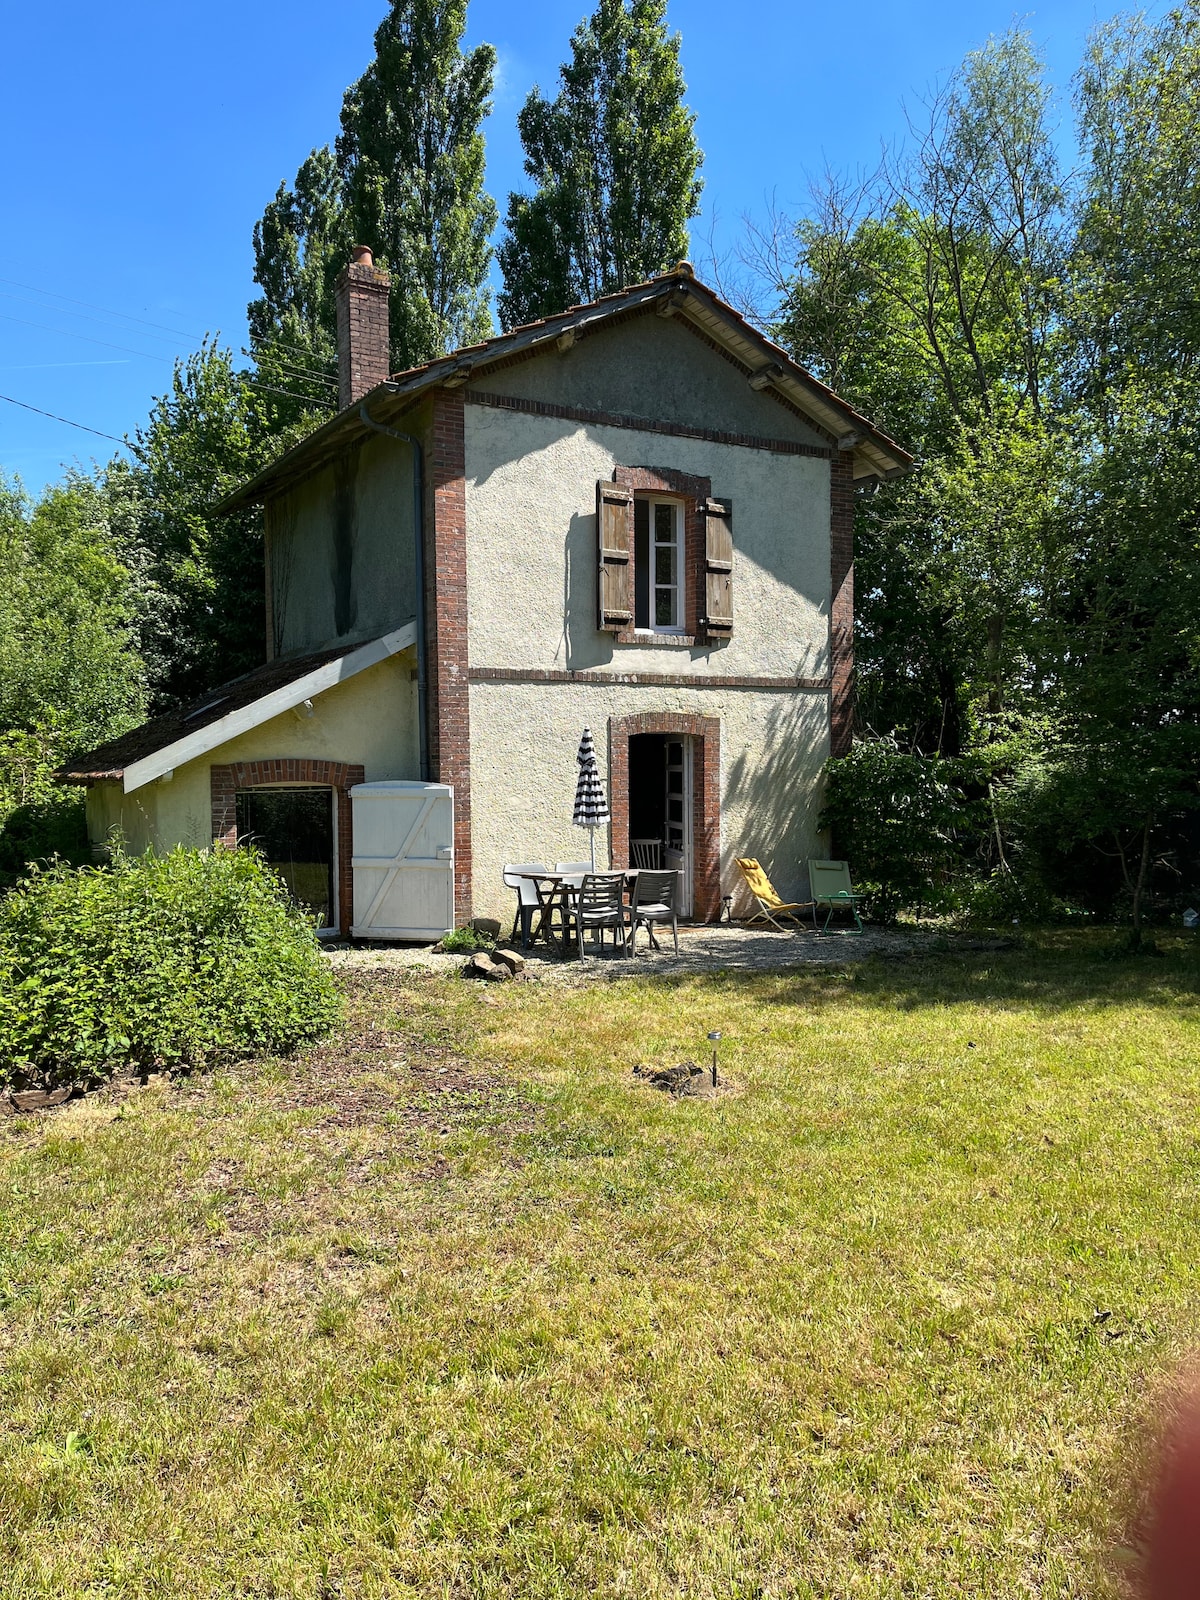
pixel 829 885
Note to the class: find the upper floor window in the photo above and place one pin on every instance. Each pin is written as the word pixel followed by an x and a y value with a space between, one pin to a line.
pixel 658 566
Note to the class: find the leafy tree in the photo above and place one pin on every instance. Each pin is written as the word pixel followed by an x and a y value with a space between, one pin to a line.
pixel 411 155
pixel 407 179
pixel 1135 308
pixel 215 429
pixel 928 297
pixel 615 162
pixel 70 675
pixel 301 244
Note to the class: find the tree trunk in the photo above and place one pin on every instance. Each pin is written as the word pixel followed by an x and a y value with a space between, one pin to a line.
pixel 1140 884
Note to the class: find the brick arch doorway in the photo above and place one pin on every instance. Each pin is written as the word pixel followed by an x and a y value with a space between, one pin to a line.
pixel 225 780
pixel 705 736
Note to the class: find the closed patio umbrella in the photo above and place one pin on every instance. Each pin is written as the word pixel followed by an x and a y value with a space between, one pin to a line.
pixel 591 807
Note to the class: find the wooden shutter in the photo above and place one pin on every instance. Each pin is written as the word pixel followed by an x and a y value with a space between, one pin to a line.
pixel 614 539
pixel 718 568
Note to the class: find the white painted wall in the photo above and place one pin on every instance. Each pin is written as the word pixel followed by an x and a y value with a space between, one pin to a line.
pixel 524 737
pixel 531 548
pixel 369 719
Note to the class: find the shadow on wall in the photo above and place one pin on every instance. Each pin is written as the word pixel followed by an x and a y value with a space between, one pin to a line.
pixel 773 794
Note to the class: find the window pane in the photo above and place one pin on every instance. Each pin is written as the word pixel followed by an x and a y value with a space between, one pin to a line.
pixel 641 564
pixel 664 564
pixel 664 524
pixel 664 608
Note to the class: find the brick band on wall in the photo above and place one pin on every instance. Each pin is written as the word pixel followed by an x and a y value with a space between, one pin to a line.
pixel 446 626
pixel 841 610
pixel 705 734
pixel 340 776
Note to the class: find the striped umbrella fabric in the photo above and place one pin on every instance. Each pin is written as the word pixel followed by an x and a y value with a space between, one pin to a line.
pixel 591 807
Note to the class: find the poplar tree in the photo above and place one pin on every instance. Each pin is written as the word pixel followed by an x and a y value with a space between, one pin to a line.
pixel 406 177
pixel 615 162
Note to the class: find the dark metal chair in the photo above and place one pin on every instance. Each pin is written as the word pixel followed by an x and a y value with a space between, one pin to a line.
pixel 655 895
pixel 600 904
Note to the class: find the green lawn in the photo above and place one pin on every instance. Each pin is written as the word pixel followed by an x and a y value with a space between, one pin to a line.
pixel 452 1307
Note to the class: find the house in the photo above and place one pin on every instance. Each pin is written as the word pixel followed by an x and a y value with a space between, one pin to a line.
pixel 636 516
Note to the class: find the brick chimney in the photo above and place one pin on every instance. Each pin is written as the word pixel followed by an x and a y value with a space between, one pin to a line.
pixel 362 326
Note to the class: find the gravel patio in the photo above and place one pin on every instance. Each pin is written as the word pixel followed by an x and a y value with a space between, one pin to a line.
pixel 719 947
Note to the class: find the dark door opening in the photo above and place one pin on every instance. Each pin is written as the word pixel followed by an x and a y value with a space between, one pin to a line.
pixel 294 830
pixel 660 803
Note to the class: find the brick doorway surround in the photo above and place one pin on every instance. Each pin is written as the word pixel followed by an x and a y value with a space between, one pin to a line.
pixel 705 733
pixel 340 776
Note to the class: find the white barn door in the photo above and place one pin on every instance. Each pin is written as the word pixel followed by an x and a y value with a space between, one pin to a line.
pixel 403 861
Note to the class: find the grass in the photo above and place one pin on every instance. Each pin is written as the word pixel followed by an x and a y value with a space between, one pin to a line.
pixel 454 1308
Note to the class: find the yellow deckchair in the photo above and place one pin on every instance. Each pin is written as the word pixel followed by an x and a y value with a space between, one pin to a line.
pixel 770 906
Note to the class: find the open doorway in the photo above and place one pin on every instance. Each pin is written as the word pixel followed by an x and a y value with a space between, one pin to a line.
pixel 294 829
pixel 660 802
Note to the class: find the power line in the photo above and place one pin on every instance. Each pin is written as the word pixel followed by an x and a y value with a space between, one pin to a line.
pixel 146 355
pixel 127 316
pixel 54 417
pixel 305 373
pixel 83 315
pixel 88 338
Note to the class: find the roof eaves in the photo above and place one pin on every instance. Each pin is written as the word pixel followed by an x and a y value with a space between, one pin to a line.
pixel 310 454
pixel 289 695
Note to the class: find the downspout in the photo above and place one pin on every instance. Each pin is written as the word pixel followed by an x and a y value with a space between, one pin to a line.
pixel 418 575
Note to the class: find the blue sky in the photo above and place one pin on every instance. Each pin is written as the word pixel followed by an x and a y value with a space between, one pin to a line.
pixel 139 143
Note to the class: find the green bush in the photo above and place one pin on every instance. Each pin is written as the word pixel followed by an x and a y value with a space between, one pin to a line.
pixel 156 961
pixel 43 828
pixel 900 820
pixel 465 941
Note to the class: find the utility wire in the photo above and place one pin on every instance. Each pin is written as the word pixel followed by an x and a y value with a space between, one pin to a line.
pixel 24 404
pixel 295 370
pixel 83 315
pixel 305 374
pixel 146 355
pixel 91 307
pixel 87 337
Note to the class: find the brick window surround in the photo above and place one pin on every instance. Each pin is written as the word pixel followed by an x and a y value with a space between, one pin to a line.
pixel 705 734
pixel 340 776
pixel 693 491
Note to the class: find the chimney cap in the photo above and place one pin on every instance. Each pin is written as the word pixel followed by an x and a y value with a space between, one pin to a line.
pixel 361 255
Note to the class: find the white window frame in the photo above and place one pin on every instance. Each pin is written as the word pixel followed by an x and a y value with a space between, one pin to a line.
pixel 680 585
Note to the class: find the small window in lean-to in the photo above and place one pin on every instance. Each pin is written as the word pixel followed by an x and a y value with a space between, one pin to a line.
pixel 658 566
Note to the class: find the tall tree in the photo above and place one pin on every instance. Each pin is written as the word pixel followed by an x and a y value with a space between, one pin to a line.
pixel 615 162
pixel 300 244
pixel 406 179
pixel 411 154
pixel 929 299
pixel 215 429
pixel 70 674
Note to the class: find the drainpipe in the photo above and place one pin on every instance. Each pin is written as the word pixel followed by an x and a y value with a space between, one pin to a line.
pixel 418 574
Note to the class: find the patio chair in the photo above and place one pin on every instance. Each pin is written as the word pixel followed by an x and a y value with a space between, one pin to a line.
pixel 646 853
pixel 829 885
pixel 527 896
pixel 770 906
pixel 600 904
pixel 575 870
pixel 654 897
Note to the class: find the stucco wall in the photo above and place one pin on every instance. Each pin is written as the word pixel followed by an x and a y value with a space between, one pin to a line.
pixel 531 548
pixel 524 737
pixel 341 550
pixel 370 719
pixel 651 367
